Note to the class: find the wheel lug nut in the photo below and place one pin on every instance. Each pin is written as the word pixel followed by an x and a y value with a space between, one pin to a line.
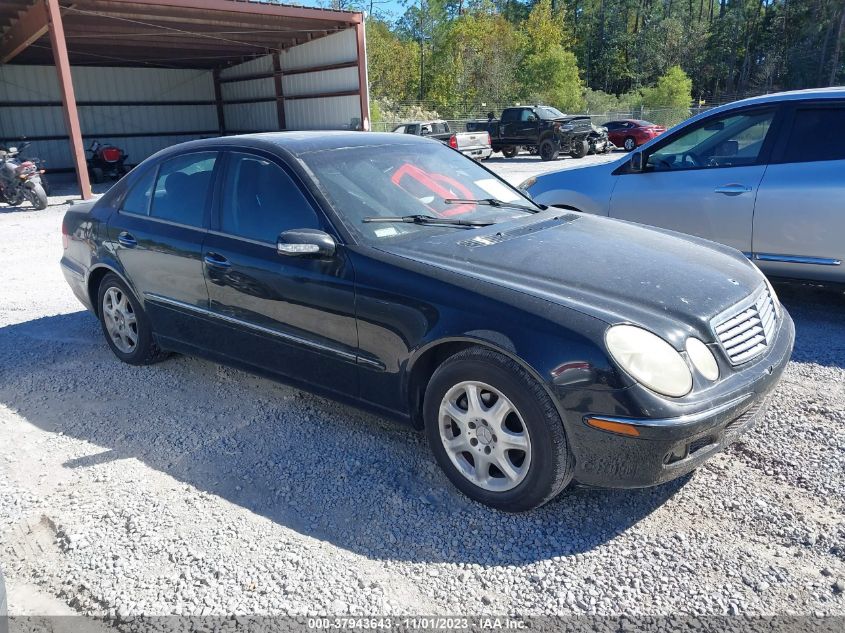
pixel 487 449
pixel 472 425
pixel 473 442
pixel 494 438
pixel 484 422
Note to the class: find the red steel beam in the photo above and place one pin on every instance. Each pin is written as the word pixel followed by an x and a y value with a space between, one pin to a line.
pixel 57 41
pixel 363 85
pixel 30 26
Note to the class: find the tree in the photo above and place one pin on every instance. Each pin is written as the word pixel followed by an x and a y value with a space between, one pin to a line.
pixel 392 63
pixel 673 90
pixel 549 69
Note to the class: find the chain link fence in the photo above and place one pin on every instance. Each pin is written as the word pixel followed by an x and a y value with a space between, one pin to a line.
pixel 667 117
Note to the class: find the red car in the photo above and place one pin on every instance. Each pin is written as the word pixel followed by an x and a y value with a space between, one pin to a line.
pixel 631 133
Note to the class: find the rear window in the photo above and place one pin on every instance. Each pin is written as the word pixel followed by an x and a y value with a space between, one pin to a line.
pixel 817 134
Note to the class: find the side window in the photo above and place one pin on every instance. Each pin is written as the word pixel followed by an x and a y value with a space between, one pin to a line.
pixel 181 189
pixel 733 140
pixel 399 130
pixel 511 114
pixel 260 200
pixel 527 115
pixel 817 134
pixel 138 198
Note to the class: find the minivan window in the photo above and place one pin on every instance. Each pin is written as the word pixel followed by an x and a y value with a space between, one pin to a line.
pixel 182 188
pixel 260 200
pixel 817 134
pixel 138 198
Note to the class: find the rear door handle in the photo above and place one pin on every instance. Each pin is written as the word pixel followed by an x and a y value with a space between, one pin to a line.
pixel 127 240
pixel 213 260
pixel 732 189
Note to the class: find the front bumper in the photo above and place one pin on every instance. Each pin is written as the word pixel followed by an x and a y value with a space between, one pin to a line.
pixel 668 448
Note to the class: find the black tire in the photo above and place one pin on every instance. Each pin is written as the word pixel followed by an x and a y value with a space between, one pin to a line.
pixel 97 175
pixel 509 151
pixel 579 149
pixel 36 195
pixel 549 150
pixel 145 351
pixel 551 462
pixel 630 144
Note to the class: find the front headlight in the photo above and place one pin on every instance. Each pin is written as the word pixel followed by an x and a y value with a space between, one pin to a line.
pixel 702 358
pixel 649 359
pixel 528 183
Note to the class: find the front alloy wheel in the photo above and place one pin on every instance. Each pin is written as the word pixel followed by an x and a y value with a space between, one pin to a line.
pixel 495 431
pixel 630 144
pixel 484 436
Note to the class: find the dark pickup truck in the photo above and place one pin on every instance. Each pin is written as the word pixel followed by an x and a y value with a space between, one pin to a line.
pixel 543 130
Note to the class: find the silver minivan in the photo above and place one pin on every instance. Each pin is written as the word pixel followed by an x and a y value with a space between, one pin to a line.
pixel 763 175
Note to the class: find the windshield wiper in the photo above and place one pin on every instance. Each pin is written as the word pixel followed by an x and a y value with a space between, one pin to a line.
pixel 429 220
pixel 493 202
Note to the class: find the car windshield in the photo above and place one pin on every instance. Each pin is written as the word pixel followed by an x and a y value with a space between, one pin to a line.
pixel 405 179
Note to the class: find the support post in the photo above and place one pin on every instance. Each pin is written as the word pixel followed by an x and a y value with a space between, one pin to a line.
pixel 363 82
pixel 218 102
pixel 280 92
pixel 57 41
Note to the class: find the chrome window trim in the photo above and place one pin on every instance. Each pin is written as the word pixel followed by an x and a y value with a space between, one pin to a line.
pixel 797 259
pixel 163 221
pixel 252 326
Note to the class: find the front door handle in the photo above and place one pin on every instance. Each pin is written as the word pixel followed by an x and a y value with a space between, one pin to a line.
pixel 127 240
pixel 732 189
pixel 213 260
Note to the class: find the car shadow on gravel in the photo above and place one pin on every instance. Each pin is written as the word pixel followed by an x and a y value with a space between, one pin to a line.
pixel 304 462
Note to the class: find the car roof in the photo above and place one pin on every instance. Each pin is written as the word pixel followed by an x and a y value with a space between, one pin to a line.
pixel 297 143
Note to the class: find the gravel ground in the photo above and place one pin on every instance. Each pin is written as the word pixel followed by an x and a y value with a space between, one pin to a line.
pixel 191 488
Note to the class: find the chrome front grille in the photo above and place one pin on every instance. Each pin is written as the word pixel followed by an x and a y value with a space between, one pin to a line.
pixel 746 331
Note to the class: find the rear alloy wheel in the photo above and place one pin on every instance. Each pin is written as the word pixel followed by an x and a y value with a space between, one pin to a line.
pixel 125 324
pixel 495 432
pixel 629 144
pixel 548 150
pixel 509 151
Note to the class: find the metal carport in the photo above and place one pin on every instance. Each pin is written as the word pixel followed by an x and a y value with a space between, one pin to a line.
pixel 149 73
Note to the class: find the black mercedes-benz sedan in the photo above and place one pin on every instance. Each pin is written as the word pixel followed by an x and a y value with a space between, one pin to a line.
pixel 535 346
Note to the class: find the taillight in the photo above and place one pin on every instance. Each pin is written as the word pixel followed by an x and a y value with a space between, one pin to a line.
pixel 453 142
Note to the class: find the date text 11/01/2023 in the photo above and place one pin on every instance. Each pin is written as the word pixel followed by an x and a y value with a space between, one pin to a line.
pixel 417 623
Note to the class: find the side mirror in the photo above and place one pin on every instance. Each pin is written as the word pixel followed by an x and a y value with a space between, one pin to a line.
pixel 637 161
pixel 305 243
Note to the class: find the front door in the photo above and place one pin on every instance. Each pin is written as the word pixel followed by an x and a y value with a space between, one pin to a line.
pixel 158 233
pixel 293 315
pixel 701 180
pixel 799 219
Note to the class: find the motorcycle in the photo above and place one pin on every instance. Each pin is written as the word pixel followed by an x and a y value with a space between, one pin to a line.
pixel 21 179
pixel 106 161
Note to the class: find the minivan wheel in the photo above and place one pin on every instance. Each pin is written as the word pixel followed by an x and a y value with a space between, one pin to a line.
pixel 125 324
pixel 630 144
pixel 495 432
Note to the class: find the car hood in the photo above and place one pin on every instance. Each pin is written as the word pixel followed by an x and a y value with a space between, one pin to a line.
pixel 617 271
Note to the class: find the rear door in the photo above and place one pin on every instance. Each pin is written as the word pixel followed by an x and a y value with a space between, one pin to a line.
pixel 292 315
pixel 703 179
pixel 799 219
pixel 158 234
